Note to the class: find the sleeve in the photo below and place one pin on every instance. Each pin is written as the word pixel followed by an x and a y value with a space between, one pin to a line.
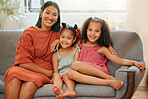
pixel 25 49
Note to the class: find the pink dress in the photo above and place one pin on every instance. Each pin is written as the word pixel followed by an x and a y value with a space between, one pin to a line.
pixel 89 55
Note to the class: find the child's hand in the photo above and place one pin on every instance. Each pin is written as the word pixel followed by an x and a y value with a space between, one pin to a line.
pixel 54 44
pixel 140 66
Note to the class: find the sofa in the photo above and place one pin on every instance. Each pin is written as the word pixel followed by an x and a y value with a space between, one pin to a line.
pixel 127 45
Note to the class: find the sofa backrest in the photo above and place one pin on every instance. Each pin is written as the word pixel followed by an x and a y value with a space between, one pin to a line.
pixel 8 44
pixel 126 44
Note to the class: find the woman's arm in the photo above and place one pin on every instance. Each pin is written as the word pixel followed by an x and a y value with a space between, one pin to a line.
pixel 36 68
pixel 54 45
pixel 104 51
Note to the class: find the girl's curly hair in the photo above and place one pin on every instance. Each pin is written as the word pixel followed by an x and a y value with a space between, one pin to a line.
pixel 104 39
pixel 73 29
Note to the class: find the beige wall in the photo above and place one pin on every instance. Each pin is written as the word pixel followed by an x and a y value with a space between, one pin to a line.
pixel 137 20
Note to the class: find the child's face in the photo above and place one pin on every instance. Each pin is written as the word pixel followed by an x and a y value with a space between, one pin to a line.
pixel 67 38
pixel 93 31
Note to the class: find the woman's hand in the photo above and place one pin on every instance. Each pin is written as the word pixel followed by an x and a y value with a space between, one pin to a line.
pixel 112 51
pixel 140 66
pixel 54 45
pixel 38 69
pixel 49 73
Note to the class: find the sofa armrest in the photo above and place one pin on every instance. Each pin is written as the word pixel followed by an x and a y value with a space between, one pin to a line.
pixel 131 76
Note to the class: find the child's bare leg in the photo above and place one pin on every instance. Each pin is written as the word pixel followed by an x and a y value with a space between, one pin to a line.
pixel 12 89
pixel 87 69
pixel 70 88
pixel 82 78
pixel 57 84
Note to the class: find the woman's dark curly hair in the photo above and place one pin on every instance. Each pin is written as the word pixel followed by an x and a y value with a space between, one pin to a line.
pixel 56 26
pixel 104 39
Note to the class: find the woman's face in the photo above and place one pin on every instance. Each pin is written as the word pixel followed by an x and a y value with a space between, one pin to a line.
pixel 49 17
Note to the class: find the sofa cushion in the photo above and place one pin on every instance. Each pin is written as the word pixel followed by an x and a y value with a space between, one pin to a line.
pixel 2 84
pixel 84 90
pixel 81 90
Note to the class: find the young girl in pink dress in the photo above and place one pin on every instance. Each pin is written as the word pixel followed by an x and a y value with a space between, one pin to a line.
pixel 92 67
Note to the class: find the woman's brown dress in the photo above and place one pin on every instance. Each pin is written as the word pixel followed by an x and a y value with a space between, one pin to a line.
pixel 33 47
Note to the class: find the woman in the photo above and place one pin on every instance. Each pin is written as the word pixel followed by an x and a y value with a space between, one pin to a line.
pixel 33 66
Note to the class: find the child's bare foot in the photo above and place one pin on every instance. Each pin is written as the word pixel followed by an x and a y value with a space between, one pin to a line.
pixel 57 90
pixel 68 92
pixel 115 84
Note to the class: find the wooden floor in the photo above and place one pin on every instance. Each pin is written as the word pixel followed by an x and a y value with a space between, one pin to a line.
pixel 141 93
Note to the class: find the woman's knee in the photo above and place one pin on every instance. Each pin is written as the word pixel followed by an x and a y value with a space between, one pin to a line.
pixel 13 71
pixel 28 87
pixel 27 90
pixel 14 82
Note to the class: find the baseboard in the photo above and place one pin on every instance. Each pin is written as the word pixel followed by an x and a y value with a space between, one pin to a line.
pixel 141 88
